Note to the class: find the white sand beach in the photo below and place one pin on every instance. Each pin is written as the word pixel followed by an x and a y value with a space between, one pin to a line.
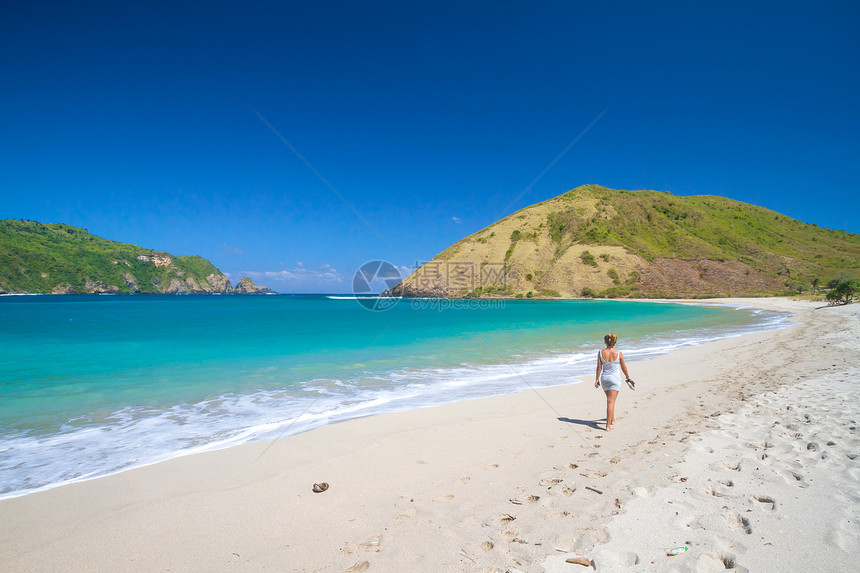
pixel 743 450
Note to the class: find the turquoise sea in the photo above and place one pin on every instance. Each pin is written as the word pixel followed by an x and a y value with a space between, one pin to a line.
pixel 91 385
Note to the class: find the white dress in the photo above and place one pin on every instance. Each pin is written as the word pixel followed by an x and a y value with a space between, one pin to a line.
pixel 610 374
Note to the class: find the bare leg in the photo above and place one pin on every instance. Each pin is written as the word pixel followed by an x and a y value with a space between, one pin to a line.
pixel 611 395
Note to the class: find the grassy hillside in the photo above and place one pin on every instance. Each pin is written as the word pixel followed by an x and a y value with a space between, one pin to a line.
pixel 37 257
pixel 594 241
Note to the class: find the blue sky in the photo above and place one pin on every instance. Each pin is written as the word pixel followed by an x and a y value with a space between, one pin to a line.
pixel 149 122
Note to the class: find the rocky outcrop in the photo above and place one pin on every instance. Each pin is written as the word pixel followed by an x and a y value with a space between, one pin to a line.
pixel 176 287
pixel 219 283
pixel 131 283
pixel 62 289
pixel 247 286
pixel 410 290
pixel 98 287
pixel 193 287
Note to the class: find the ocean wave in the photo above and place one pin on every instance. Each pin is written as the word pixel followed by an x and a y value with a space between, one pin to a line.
pixel 344 297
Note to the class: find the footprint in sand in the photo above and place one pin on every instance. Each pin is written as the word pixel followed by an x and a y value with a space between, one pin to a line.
pixel 464 480
pixel 562 489
pixel 405 515
pixel 448 497
pixel 794 477
pixel 358 567
pixel 550 481
pixel 733 466
pixel 714 491
pixel 371 544
pixel 766 501
pixel 716 560
pixel 607 559
pixel 739 523
pixel 524 500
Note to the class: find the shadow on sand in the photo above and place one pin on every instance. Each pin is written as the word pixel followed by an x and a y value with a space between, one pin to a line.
pixel 590 423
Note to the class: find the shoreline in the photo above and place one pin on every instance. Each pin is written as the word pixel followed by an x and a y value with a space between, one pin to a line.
pixel 538 371
pixel 432 486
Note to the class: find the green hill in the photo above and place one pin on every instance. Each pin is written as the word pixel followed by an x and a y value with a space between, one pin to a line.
pixel 62 259
pixel 594 241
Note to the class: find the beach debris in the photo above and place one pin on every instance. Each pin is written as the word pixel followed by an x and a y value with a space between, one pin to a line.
pixel 320 487
pixel 467 556
pixel 579 561
pixel 595 490
pixel 487 545
pixel 507 518
pixel 677 551
pixel 518 540
pixel 529 499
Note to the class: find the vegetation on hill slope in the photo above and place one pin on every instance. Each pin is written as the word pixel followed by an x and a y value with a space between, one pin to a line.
pixel 594 241
pixel 58 258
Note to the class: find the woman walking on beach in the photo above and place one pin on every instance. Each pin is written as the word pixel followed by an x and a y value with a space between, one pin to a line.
pixel 610 364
